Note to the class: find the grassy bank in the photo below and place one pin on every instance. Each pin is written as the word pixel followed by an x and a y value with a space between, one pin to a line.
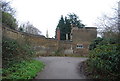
pixel 23 70
pixel 17 60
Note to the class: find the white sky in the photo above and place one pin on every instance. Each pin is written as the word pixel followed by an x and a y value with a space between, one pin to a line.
pixel 45 14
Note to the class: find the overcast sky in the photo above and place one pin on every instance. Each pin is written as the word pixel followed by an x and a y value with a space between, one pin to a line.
pixel 45 14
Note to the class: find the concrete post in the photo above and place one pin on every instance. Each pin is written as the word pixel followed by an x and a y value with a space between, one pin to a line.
pixel 66 36
pixel 71 37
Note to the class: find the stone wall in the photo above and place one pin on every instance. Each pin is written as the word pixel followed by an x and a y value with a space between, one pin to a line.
pixel 41 44
pixel 86 34
pixel 82 37
pixel 38 42
pixel 44 45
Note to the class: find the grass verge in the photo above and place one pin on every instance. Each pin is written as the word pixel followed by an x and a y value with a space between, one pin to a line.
pixel 23 70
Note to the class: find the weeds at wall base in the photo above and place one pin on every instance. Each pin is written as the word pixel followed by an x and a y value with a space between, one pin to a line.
pixel 60 55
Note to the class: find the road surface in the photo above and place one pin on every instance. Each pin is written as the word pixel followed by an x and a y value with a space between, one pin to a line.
pixel 61 68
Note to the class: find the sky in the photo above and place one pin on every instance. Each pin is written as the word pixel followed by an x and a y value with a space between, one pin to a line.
pixel 45 14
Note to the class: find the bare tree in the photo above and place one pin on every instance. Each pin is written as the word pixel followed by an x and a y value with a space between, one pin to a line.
pixel 29 28
pixel 6 7
pixel 108 24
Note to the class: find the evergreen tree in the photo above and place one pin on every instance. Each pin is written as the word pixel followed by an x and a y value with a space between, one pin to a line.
pixel 74 20
pixel 65 25
pixel 61 26
pixel 8 15
pixel 9 20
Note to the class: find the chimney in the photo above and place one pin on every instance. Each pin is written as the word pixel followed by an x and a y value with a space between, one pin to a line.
pixel 58 34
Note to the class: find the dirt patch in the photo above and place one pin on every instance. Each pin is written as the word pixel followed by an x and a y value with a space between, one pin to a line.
pixel 84 69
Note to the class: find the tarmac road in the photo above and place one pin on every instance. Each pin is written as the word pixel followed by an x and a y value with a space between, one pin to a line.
pixel 61 68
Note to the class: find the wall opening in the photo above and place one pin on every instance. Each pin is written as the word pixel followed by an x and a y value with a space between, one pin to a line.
pixel 79 46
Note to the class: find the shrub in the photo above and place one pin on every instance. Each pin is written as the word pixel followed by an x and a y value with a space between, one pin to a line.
pixel 17 61
pixel 105 58
pixel 13 52
pixel 95 43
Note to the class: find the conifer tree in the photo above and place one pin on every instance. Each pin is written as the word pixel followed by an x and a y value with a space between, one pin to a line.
pixel 65 25
pixel 74 20
pixel 61 26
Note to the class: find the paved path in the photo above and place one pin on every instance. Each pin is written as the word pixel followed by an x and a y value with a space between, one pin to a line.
pixel 61 68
